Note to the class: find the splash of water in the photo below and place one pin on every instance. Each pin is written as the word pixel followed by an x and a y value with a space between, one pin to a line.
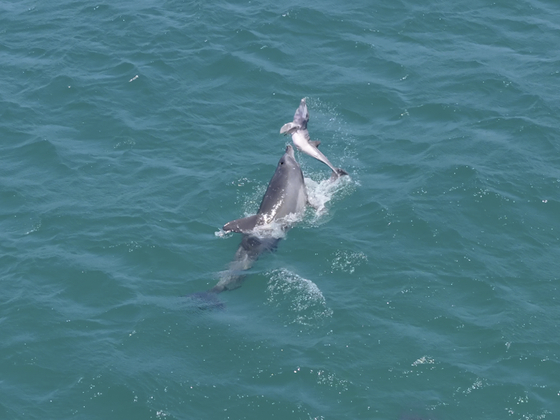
pixel 304 298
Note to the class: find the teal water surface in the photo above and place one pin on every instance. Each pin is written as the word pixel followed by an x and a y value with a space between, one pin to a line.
pixel 426 289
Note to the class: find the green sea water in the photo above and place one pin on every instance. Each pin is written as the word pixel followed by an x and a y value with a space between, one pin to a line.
pixel 130 132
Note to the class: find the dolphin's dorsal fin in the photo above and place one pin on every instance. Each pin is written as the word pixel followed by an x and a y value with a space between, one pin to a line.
pixel 288 128
pixel 315 143
pixel 243 225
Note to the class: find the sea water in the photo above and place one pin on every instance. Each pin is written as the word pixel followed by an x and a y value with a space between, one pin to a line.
pixel 426 287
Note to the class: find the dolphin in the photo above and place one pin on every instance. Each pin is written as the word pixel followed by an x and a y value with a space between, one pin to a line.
pixel 300 137
pixel 282 205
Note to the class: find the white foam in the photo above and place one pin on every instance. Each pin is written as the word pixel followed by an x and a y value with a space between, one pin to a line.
pixel 321 193
pixel 270 230
pixel 347 262
pixel 220 233
pixel 303 297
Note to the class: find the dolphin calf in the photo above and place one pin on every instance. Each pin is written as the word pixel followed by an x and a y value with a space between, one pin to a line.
pixel 282 205
pixel 300 136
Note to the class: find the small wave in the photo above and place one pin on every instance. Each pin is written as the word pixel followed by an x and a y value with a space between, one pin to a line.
pixel 36 227
pixel 302 296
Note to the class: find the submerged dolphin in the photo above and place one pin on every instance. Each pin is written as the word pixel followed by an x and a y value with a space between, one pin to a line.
pixel 283 203
pixel 300 137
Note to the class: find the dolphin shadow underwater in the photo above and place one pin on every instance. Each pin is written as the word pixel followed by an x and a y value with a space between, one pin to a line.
pixel 283 204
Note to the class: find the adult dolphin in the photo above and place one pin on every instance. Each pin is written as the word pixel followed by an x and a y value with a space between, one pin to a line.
pixel 300 136
pixel 282 205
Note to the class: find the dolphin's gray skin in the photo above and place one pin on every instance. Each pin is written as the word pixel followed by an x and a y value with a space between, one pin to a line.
pixel 285 195
pixel 283 203
pixel 300 137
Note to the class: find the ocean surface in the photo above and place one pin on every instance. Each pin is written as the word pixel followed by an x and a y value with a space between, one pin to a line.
pixel 427 287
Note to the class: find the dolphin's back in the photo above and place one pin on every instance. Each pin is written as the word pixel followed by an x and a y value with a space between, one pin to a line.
pixel 286 192
pixel 285 195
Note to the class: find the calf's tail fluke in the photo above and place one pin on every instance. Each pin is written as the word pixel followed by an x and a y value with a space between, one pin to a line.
pixel 341 172
pixel 338 172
